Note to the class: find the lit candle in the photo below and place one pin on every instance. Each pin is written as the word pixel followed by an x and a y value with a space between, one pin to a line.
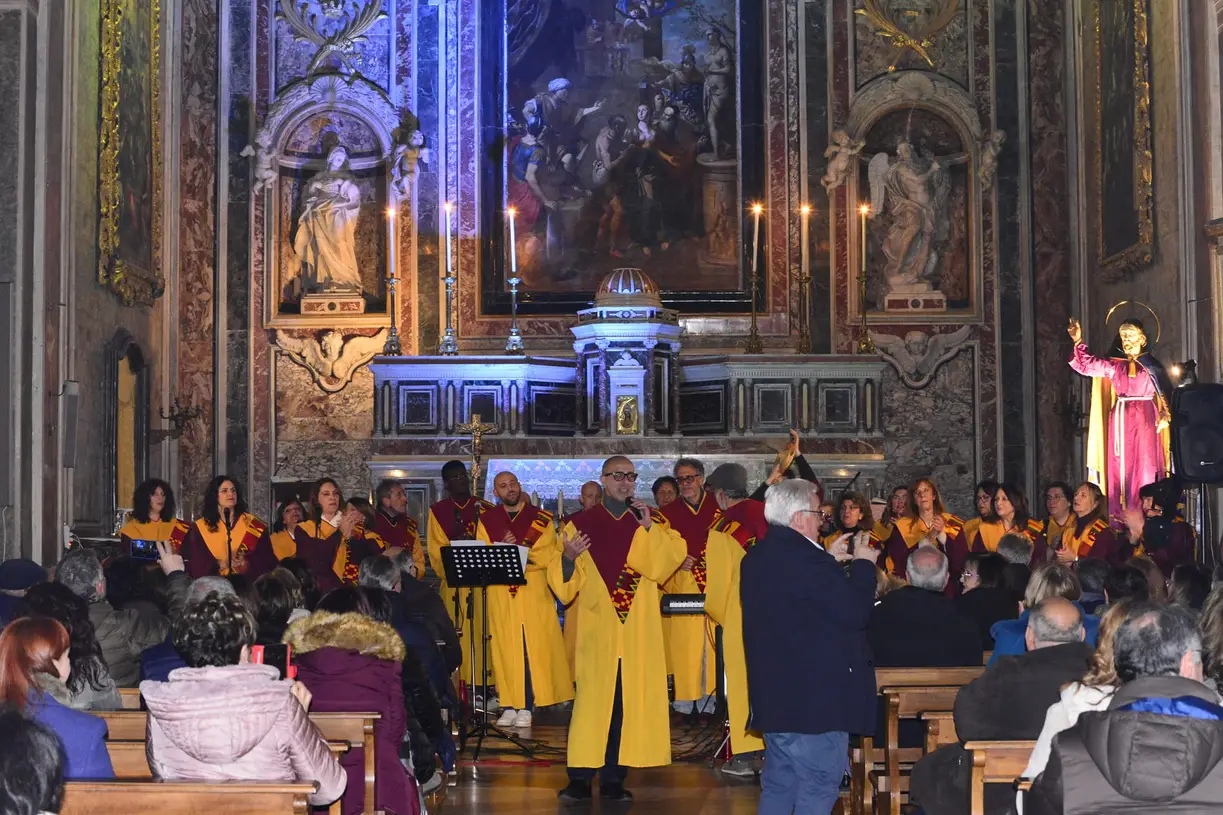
pixel 806 211
pixel 449 260
pixel 757 210
pixel 509 213
pixel 390 217
pixel 864 210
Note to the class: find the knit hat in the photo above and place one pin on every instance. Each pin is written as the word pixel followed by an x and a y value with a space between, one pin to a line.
pixel 20 574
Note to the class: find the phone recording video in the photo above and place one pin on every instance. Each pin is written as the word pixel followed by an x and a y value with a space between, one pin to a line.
pixel 279 656
pixel 144 550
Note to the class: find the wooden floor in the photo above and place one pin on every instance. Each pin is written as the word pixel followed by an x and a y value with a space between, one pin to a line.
pixel 506 782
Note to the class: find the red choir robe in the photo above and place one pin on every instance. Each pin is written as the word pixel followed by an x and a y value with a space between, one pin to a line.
pixel 245 549
pixel 401 532
pixel 909 532
pixel 990 533
pixel 1095 539
pixel 1180 548
pixel 615 584
pixel 748 514
pixel 689 640
pixel 333 559
pixel 522 620
pixel 450 520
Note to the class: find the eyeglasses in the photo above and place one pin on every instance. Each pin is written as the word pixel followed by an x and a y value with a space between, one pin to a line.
pixel 819 512
pixel 618 476
pixel 966 576
pixel 687 479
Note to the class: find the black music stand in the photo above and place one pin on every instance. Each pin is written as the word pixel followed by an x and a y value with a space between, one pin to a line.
pixel 478 567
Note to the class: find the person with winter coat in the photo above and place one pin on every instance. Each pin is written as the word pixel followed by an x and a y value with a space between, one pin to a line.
pixel 225 719
pixel 1156 748
pixel 89 683
pixel 352 663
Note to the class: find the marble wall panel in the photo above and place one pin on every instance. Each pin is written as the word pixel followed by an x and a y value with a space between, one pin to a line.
pixel 304 411
pixel 310 459
pixel 948 50
pixel 10 137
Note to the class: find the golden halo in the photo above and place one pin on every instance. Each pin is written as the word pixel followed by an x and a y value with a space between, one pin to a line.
pixel 1158 326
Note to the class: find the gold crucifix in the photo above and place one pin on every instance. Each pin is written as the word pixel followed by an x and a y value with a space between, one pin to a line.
pixel 476 428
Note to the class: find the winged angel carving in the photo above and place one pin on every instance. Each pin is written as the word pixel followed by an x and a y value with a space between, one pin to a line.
pixel 916 189
pixel 309 21
pixel 918 356
pixel 330 360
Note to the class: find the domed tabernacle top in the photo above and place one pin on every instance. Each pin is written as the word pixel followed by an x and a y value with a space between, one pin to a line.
pixel 628 287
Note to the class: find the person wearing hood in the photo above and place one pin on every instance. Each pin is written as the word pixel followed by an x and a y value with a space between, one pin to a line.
pixel 17 576
pixel 223 718
pixel 352 663
pixel 1156 748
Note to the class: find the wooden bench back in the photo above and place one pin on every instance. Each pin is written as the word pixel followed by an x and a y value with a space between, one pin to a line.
pixel 929 677
pixel 186 797
pixel 940 729
pixel 907 703
pixel 130 760
pixel 124 725
pixel 995 762
pixel 130 697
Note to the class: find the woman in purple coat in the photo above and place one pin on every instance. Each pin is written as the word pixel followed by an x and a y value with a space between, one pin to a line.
pixel 351 663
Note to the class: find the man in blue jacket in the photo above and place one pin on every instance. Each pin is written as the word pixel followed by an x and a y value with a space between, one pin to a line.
pixel 811 681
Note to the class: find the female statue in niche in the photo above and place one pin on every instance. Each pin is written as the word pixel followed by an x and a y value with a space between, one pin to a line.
pixel 327 229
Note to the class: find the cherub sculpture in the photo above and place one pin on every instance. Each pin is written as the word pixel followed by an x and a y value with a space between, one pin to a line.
pixel 918 356
pixel 840 155
pixel 331 360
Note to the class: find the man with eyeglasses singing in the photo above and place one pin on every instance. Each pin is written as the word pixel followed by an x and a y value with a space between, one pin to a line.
pixel 689 650
pixel 615 557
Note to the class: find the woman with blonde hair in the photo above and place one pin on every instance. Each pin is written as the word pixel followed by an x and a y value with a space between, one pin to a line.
pixel 1051 579
pixel 1093 692
pixel 1154 575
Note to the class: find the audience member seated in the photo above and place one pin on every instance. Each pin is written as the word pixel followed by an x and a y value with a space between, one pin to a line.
pixel 1211 624
pixel 916 626
pixel 1092 692
pixel 1052 579
pixel 421 602
pixel 1092 575
pixel 1127 583
pixel 17 575
pixel 352 663
pixel 224 719
pixel 33 669
pixel 1008 702
pixel 135 584
pixel 1189 586
pixel 122 633
pixel 157 661
pixel 1156 747
pixel 31 767
pixel 300 568
pixel 90 686
pixel 279 599
pixel 985 600
pixel 1016 548
pixel 1015 577
pixel 1156 580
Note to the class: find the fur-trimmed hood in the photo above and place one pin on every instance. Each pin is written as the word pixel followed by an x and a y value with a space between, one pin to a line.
pixel 348 632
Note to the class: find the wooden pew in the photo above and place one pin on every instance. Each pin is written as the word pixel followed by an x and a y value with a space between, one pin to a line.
pixel 130 698
pixel 940 729
pixel 904 703
pixel 124 725
pixel 131 763
pixel 995 762
pixel 986 656
pixel 864 758
pixel 186 797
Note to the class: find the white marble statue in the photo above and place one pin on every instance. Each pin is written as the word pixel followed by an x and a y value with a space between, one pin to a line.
pixel 989 158
pixel 918 356
pixel 840 155
pixel 326 239
pixel 916 189
pixel 332 360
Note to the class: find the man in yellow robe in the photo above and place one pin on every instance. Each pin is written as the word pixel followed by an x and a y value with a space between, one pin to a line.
pixel 527 648
pixel 614 562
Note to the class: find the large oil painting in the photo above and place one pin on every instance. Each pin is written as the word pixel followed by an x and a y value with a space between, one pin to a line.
pixel 130 151
pixel 1123 166
pixel 629 136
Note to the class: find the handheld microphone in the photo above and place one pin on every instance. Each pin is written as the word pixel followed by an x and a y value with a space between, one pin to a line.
pixel 634 507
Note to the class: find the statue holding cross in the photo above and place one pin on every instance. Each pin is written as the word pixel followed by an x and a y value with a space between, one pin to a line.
pixel 477 429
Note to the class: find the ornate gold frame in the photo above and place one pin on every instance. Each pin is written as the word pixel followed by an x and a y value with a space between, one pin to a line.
pixel 1142 252
pixel 132 284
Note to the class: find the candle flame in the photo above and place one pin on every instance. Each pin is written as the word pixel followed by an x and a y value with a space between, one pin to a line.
pixel 511 212
pixel 448 206
pixel 757 208
pixel 390 212
pixel 806 210
pixel 865 209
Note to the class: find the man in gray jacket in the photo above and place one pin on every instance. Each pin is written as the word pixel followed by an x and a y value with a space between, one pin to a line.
pixel 122 633
pixel 1159 745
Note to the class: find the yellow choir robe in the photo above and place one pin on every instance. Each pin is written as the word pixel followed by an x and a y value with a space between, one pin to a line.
pixel 619 630
pixel 689 637
pixel 989 534
pixel 525 616
pixel 449 520
pixel 723 557
pixel 283 544
pixel 172 530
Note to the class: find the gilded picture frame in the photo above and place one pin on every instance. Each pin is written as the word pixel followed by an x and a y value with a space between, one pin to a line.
pixel 130 151
pixel 1123 166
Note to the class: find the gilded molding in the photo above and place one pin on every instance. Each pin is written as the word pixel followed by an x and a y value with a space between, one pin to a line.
pixel 1142 251
pixel 132 284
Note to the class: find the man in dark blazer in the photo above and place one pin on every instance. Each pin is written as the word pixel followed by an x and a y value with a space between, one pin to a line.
pixel 809 673
pixel 1006 703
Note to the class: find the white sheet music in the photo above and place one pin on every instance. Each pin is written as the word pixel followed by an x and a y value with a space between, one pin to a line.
pixel 523 551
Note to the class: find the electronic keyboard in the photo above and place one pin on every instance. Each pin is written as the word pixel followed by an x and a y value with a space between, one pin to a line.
pixel 683 604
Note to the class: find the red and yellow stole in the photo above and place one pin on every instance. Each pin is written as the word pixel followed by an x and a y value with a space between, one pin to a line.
pixel 742 535
pixel 693 524
pixel 992 533
pixel 231 546
pixel 345 567
pixel 400 531
pixel 526 526
pixel 611 538
pixel 457 520
pixel 172 530
pixel 1081 544
pixel 914 529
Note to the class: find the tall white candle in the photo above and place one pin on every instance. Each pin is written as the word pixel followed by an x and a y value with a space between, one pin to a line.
pixel 513 244
pixel 757 210
pixel 865 210
pixel 806 210
pixel 449 258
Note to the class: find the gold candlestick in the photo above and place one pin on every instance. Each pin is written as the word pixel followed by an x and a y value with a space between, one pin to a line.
pixel 866 345
pixel 754 345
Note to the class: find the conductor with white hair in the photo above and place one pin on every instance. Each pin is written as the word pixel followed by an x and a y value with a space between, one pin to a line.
pixel 804 627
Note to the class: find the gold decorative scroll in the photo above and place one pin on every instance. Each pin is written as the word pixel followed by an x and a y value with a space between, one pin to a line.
pixel 1113 261
pixel 137 280
pixel 896 25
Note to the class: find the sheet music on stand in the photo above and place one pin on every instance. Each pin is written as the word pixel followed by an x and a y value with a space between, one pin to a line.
pixel 475 564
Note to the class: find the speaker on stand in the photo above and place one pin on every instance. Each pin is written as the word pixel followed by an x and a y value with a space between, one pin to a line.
pixel 1197 450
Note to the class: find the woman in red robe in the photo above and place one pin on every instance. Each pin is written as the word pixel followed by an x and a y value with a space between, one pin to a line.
pixel 227 539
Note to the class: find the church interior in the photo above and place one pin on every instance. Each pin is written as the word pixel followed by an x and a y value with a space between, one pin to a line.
pixel 287 239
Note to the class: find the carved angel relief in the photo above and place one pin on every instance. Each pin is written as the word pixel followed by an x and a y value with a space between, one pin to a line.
pixel 331 360
pixel 918 356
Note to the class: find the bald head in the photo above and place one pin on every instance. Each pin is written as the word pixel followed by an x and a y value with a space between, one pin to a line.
pixel 509 491
pixel 927 568
pixel 1054 621
pixel 592 494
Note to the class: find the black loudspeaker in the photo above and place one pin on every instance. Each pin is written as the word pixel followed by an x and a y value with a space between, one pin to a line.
pixel 1197 433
